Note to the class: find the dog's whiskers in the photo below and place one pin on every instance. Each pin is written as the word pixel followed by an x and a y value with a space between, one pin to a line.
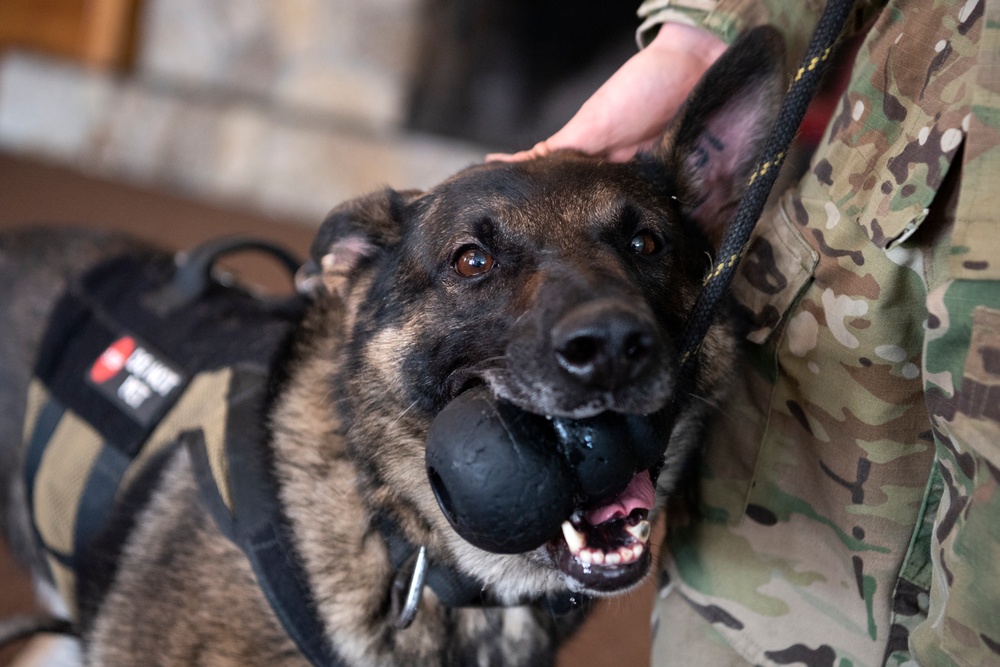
pixel 716 408
pixel 710 403
pixel 403 413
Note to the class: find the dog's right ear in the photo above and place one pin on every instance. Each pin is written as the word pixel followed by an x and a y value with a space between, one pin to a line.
pixel 353 233
pixel 714 142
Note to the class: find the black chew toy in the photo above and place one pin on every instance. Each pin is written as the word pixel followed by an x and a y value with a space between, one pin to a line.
pixel 506 479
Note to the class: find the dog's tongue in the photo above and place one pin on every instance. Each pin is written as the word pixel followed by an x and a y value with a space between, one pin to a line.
pixel 638 494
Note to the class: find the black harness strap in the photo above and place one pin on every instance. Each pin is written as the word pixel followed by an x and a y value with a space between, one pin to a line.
pixel 257 523
pixel 97 503
pixel 45 426
pixel 260 525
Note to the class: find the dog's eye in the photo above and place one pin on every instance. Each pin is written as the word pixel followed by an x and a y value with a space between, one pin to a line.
pixel 643 243
pixel 473 262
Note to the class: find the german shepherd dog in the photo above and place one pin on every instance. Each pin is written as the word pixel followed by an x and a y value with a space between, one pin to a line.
pixel 560 284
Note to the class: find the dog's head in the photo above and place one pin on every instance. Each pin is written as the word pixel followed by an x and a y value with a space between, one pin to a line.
pixel 562 285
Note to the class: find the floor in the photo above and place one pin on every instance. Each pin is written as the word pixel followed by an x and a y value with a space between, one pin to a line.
pixel 32 192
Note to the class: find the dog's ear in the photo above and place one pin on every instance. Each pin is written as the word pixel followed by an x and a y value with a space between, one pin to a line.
pixel 352 234
pixel 716 138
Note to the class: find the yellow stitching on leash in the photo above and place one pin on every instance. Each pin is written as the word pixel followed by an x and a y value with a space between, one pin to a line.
pixel 763 169
pixel 812 64
pixel 722 266
pixel 690 353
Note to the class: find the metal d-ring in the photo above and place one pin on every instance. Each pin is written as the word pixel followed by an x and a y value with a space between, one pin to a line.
pixel 407 587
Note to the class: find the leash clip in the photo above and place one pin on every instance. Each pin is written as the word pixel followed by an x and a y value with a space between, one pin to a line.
pixel 407 588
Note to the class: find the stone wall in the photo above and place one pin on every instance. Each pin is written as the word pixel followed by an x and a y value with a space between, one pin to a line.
pixel 350 58
pixel 288 106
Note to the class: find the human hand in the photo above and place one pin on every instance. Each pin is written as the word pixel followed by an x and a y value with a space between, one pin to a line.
pixel 633 107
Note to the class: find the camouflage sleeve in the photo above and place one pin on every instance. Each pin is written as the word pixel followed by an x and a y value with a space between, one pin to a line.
pixel 728 18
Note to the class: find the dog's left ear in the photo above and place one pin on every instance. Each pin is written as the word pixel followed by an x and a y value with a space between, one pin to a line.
pixel 354 233
pixel 716 138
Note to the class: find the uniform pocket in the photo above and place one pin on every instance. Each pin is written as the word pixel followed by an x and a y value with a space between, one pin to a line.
pixel 776 269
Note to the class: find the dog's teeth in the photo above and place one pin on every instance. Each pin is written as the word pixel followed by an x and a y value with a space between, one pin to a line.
pixel 625 555
pixel 639 531
pixel 574 538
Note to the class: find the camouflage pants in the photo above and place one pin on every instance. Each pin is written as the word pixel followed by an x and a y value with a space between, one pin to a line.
pixel 851 490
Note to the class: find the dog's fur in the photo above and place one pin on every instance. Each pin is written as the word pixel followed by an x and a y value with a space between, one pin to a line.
pixel 393 334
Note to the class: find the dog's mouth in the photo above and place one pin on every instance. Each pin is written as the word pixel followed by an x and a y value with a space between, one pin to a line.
pixel 580 490
pixel 606 548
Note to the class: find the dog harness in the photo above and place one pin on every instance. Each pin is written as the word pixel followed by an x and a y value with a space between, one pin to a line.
pixel 142 357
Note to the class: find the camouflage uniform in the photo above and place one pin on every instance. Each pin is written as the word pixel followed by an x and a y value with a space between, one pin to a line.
pixel 851 489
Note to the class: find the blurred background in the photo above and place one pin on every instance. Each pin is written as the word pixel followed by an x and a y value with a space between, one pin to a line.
pixel 182 120
pixel 291 106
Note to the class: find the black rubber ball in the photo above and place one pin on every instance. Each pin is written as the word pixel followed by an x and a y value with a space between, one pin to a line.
pixel 599 452
pixel 497 474
pixel 506 479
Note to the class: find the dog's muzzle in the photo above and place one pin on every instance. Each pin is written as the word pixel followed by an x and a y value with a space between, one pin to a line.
pixel 507 480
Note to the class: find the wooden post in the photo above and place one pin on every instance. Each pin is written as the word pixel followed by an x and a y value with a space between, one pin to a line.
pixel 98 33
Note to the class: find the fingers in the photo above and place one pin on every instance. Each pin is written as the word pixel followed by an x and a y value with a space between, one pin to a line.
pixel 631 109
pixel 541 149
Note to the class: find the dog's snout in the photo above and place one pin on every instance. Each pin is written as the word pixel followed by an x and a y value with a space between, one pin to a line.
pixel 604 344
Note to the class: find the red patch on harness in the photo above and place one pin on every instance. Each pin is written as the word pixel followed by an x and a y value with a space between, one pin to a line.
pixel 112 361
pixel 137 379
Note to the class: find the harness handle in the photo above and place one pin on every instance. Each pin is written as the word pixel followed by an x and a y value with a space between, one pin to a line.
pixel 194 270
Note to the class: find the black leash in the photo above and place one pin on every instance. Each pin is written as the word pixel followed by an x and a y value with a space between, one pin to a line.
pixel 734 244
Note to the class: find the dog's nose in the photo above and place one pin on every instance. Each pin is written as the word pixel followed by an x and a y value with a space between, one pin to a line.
pixel 604 344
